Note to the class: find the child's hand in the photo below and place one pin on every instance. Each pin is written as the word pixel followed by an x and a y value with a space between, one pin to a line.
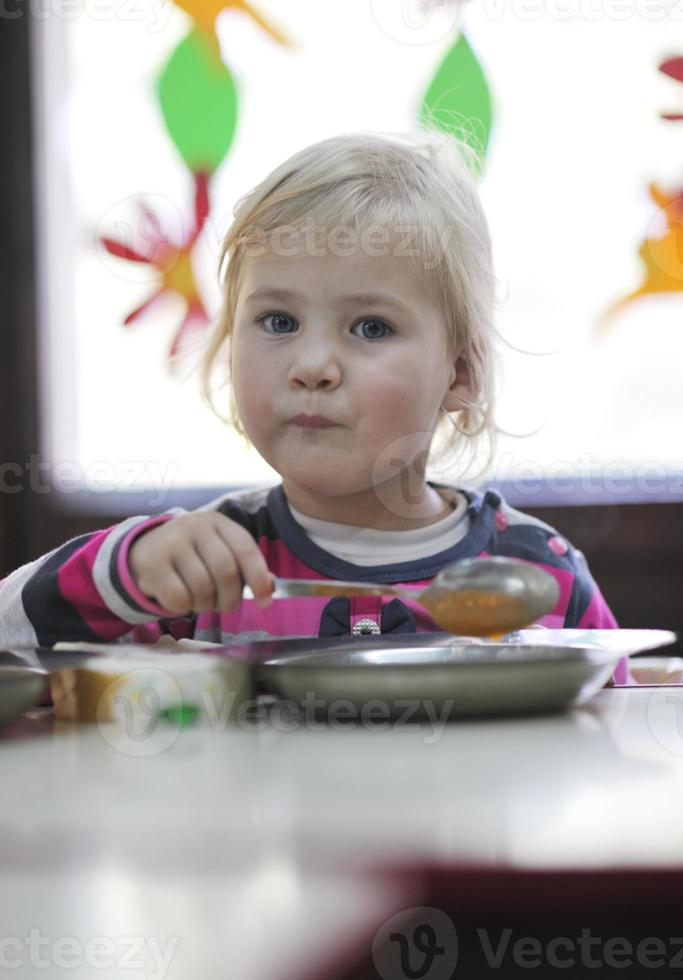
pixel 198 563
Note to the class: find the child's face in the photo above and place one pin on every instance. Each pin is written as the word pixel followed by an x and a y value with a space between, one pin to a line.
pixel 379 369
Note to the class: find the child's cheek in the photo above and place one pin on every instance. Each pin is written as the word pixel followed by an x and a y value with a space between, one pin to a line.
pixel 388 415
pixel 252 397
pixel 392 423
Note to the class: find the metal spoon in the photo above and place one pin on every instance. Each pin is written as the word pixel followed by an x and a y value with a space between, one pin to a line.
pixel 473 597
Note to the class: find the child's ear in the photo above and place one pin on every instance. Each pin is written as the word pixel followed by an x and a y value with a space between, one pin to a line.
pixel 461 391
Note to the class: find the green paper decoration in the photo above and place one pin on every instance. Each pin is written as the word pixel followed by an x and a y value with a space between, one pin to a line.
pixel 458 99
pixel 198 100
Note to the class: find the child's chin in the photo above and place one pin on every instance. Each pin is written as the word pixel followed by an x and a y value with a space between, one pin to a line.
pixel 323 482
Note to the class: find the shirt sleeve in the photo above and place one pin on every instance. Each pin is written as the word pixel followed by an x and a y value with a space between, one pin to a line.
pixel 81 591
pixel 589 610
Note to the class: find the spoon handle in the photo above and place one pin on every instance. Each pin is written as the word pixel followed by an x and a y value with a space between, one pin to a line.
pixel 291 587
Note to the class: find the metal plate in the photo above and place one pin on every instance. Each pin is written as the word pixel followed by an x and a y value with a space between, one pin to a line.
pixel 527 672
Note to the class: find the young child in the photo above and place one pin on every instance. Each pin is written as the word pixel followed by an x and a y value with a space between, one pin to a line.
pixel 357 327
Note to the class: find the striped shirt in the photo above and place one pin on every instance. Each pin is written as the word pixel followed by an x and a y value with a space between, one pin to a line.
pixel 83 590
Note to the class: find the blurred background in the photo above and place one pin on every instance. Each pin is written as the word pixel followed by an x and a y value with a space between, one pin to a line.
pixel 132 127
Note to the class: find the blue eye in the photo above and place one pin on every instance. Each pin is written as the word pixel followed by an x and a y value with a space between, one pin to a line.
pixel 277 316
pixel 381 323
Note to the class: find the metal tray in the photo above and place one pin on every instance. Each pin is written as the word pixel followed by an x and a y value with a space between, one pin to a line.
pixel 533 670
pixel 528 672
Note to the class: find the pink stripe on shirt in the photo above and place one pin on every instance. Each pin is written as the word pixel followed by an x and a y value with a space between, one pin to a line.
pixel 127 580
pixel 76 584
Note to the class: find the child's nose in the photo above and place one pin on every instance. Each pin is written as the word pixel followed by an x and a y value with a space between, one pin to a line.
pixel 319 365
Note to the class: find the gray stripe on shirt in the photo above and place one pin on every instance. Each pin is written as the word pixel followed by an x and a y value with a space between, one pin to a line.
pixel 101 572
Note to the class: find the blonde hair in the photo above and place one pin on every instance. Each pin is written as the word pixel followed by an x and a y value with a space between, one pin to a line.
pixel 425 183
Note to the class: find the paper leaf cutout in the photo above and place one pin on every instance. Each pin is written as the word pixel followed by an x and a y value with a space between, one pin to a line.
pixel 204 13
pixel 674 69
pixel 199 103
pixel 173 260
pixel 662 257
pixel 458 99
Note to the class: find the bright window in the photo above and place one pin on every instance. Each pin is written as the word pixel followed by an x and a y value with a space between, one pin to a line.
pixel 577 138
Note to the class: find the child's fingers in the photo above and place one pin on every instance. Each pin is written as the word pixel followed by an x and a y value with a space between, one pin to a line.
pixel 219 559
pixel 198 579
pixel 251 563
pixel 173 594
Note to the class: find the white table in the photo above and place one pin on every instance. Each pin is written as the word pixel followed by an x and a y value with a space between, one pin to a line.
pixel 241 848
